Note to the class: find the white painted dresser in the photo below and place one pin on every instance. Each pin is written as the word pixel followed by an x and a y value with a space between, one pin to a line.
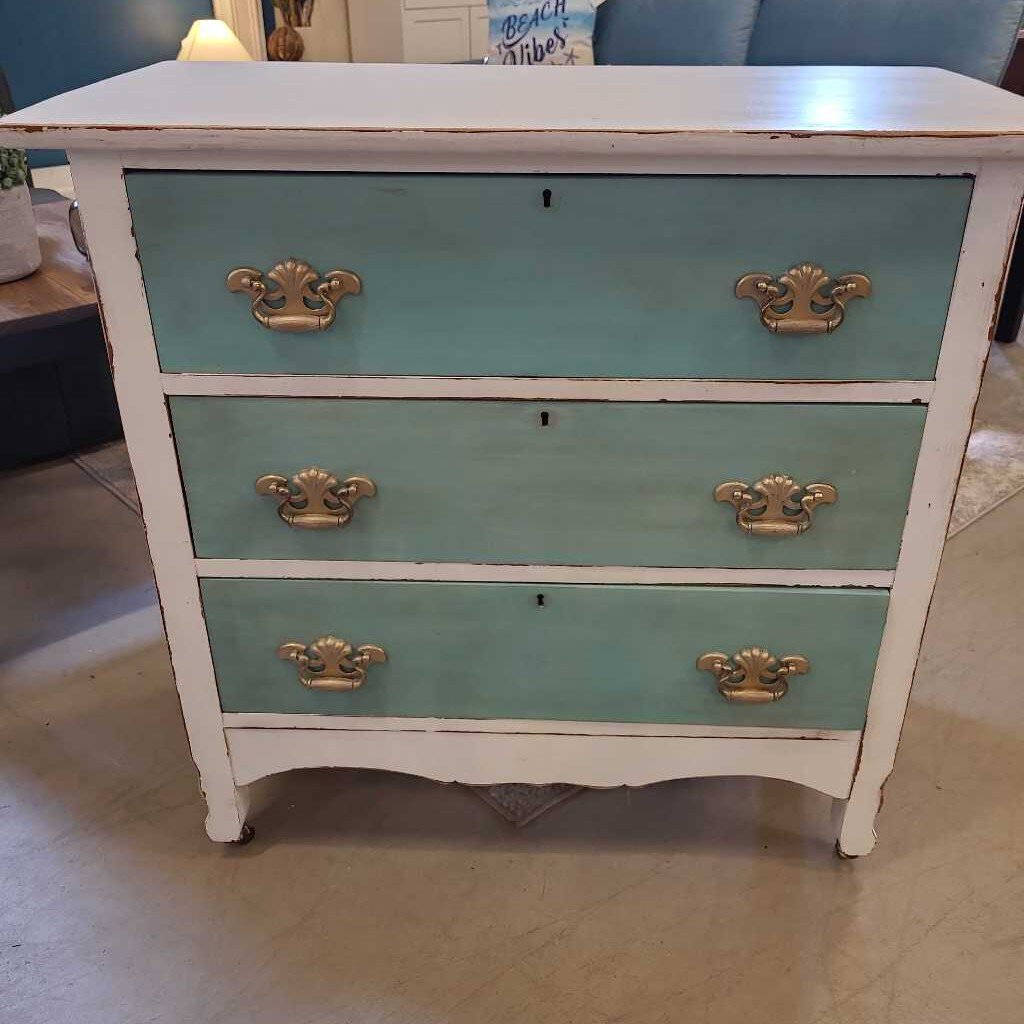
pixel 592 425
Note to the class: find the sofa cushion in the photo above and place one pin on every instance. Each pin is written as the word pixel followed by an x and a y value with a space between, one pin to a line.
pixel 541 31
pixel 674 31
pixel 973 37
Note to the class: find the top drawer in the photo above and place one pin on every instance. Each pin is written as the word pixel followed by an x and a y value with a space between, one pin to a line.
pixel 549 275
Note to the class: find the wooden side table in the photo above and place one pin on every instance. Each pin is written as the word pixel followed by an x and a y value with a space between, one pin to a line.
pixel 56 393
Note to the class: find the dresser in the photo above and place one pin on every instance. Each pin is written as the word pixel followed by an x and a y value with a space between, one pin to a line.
pixel 587 425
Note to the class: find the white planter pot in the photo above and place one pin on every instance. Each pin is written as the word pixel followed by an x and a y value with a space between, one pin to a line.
pixel 19 242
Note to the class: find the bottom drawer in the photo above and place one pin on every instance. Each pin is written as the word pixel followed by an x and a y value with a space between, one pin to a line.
pixel 547 652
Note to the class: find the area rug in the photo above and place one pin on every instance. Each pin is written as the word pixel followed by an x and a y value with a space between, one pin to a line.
pixel 109 466
pixel 993 472
pixel 519 803
pixel 994 467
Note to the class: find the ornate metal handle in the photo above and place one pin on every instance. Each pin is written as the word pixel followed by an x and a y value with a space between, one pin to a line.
pixel 330 663
pixel 803 300
pixel 300 300
pixel 315 499
pixel 775 506
pixel 753 676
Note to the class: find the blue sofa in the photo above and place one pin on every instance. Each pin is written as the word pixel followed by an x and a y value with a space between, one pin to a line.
pixel 973 37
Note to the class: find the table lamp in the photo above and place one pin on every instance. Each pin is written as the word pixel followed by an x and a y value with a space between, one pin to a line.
pixel 210 39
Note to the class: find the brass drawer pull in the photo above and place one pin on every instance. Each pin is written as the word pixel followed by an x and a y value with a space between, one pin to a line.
pixel 301 300
pixel 803 300
pixel 775 506
pixel 330 663
pixel 315 499
pixel 753 676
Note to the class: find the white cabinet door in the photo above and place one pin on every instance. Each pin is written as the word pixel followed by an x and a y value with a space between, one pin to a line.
pixel 425 5
pixel 438 35
pixel 478 32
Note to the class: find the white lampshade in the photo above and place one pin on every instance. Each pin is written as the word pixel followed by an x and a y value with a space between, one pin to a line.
pixel 210 39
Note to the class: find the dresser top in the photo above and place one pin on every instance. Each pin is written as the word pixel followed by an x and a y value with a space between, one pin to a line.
pixel 171 105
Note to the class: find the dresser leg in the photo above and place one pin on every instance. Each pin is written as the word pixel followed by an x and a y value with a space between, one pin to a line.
pixel 854 821
pixel 225 820
pixel 247 836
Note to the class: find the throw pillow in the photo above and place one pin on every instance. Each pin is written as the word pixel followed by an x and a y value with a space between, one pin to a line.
pixel 541 31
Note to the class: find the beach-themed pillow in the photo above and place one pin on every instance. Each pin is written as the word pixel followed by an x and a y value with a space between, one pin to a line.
pixel 541 31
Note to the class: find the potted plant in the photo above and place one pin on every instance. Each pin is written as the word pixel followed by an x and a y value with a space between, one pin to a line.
pixel 19 242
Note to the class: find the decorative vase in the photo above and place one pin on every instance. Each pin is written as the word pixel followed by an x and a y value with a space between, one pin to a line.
pixel 284 43
pixel 19 241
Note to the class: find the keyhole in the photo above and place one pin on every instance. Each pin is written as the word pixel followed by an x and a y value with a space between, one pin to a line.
pixel 545 418
pixel 547 198
pixel 540 600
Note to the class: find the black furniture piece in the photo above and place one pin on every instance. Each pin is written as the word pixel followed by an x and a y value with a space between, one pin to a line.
pixel 56 392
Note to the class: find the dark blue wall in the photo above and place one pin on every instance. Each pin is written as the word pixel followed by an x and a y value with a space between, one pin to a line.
pixel 50 46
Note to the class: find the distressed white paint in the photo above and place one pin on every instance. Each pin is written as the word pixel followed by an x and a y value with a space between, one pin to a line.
pixel 460 572
pixel 711 120
pixel 798 111
pixel 472 152
pixel 147 431
pixel 592 153
pixel 991 225
pixel 364 723
pixel 552 388
pixel 482 759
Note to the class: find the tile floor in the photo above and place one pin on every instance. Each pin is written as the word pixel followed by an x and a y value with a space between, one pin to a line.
pixel 376 899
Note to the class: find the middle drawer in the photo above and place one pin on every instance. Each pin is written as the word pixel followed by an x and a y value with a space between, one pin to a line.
pixel 570 483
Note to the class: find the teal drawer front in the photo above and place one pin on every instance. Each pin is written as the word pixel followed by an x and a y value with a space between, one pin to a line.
pixel 600 654
pixel 468 275
pixel 601 484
